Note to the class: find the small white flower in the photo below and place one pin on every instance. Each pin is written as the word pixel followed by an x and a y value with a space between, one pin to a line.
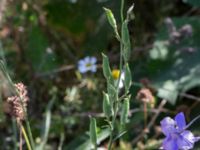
pixel 49 50
pixel 101 148
pixel 87 64
pixel 121 80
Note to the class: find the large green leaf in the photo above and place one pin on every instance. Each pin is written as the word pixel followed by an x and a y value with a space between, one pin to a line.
pixel 38 51
pixel 175 68
pixel 193 2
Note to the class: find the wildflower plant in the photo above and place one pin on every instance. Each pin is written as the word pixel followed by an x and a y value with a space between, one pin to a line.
pixel 113 104
pixel 116 96
pixel 18 103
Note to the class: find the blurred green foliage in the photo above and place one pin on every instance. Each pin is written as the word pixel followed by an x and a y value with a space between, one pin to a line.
pixel 42 42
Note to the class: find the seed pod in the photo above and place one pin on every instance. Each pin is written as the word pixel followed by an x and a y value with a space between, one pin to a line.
pixel 93 131
pixel 125 111
pixel 128 77
pixel 112 92
pixel 111 18
pixel 106 69
pixel 107 107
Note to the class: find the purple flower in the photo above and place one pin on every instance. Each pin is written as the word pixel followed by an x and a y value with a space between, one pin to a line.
pixel 177 137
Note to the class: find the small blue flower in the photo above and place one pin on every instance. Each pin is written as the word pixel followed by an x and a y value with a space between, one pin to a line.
pixel 87 64
pixel 177 137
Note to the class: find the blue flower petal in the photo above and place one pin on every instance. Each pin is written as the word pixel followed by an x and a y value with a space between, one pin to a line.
pixel 93 68
pixel 87 59
pixel 168 126
pixel 82 68
pixel 81 62
pixel 93 60
pixel 186 140
pixel 169 144
pixel 180 120
pixel 189 137
pixel 177 138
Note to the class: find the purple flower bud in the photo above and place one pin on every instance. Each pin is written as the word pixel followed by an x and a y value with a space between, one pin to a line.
pixel 186 30
pixel 170 25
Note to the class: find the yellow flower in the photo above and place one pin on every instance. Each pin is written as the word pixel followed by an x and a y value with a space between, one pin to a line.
pixel 116 73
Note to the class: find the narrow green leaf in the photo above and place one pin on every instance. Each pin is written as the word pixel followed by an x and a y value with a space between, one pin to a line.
pixel 128 78
pixel 4 71
pixel 93 131
pixel 107 107
pixel 46 126
pixel 126 41
pixel 125 111
pixel 119 135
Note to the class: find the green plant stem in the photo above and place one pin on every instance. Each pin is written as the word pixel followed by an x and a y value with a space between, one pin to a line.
pixel 122 11
pixel 121 45
pixel 191 122
pixel 26 137
pixel 110 140
pixel 116 102
pixel 47 122
pixel 30 133
pixel 62 137
pixel 20 139
pixel 15 133
pixel 95 148
pixel 113 124
pixel 2 54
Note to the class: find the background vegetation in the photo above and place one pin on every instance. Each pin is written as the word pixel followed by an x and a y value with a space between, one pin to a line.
pixel 41 43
